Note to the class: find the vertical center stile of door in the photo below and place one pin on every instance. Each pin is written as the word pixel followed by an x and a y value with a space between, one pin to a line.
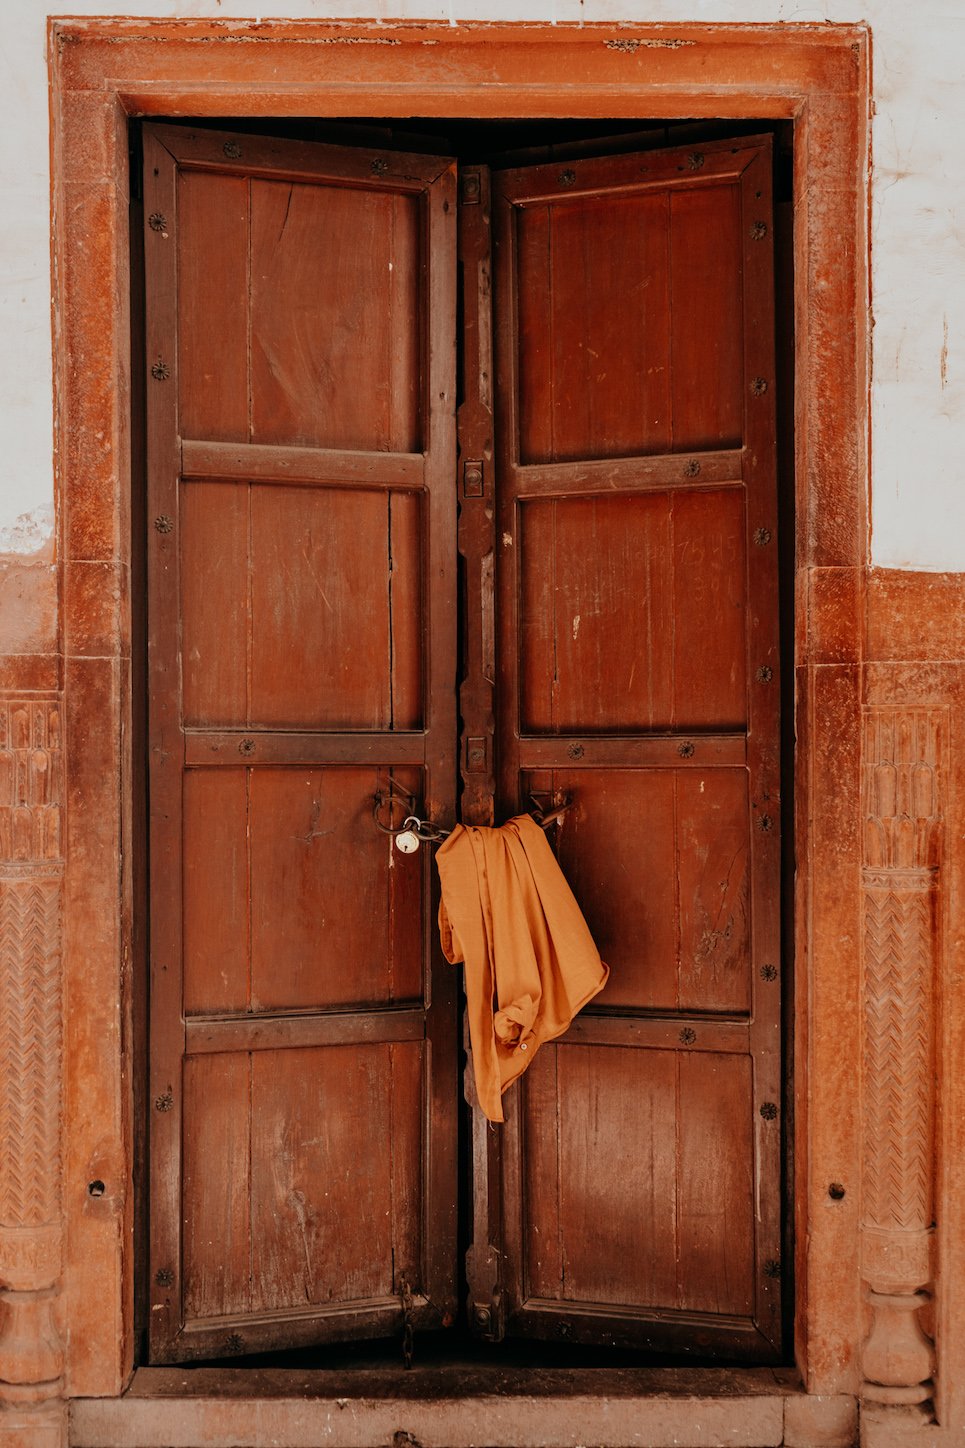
pixel 475 493
pixel 476 541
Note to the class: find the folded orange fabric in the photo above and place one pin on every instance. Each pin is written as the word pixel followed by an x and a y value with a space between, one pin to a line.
pixel 531 964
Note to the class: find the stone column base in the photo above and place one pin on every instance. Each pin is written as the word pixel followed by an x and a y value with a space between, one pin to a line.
pixel 42 1426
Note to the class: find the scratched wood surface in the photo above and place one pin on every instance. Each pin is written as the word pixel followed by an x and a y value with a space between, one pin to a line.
pixel 632 612
pixel 637 675
pixel 301 307
pixel 683 1165
pixel 301 606
pixel 327 348
pixel 629 349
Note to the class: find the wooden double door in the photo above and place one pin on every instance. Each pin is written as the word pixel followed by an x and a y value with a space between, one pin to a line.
pixel 554 578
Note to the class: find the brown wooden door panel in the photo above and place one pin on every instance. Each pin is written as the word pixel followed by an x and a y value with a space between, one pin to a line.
pixel 301 607
pixel 626 1202
pixel 634 1196
pixel 300 315
pixel 327 350
pixel 620 651
pixel 330 1202
pixel 632 612
pixel 659 862
pixel 264 854
pixel 627 349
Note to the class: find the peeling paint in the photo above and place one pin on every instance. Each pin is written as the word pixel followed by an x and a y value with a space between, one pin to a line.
pixel 629 47
pixel 28 533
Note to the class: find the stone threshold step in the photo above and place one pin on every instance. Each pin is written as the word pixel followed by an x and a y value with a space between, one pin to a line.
pixel 460 1407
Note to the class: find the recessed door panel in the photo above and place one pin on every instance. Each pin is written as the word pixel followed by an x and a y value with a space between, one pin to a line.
pixel 631 1202
pixel 630 325
pixel 632 612
pixel 302 606
pixel 659 861
pixel 307 337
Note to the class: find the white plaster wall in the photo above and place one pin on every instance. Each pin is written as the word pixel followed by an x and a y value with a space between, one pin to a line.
pixel 918 460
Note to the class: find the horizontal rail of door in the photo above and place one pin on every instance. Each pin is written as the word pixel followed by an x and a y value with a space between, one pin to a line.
pixel 658 473
pixel 204 1036
pixel 256 746
pixel 266 463
pixel 202 1338
pixel 677 751
pixel 658 1034
pixel 658 1330
pixel 389 1305
pixel 716 162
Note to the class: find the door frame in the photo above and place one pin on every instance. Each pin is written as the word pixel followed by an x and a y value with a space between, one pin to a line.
pixel 105 71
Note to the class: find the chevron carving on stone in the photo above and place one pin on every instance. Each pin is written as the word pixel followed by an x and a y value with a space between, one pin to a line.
pixel 30 1050
pixel 902 776
pixel 898 1131
pixel 31 1047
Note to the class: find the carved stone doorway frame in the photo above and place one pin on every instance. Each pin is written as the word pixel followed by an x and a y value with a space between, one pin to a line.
pixel 66 1224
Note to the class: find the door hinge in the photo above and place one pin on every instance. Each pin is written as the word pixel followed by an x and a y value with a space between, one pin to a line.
pixel 489 1320
pixel 470 188
pixel 408 1337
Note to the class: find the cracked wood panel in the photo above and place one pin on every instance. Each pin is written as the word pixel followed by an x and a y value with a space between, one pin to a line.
pixel 302 606
pixel 322 1148
pixel 324 349
pixel 637 593
pixel 300 299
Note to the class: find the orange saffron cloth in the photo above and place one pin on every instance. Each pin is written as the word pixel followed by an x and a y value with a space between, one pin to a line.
pixel 531 964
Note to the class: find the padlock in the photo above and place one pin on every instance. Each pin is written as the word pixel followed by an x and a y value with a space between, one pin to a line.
pixel 407 842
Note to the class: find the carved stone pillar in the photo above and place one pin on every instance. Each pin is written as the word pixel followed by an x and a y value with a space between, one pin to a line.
pixel 32 1410
pixel 902 781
